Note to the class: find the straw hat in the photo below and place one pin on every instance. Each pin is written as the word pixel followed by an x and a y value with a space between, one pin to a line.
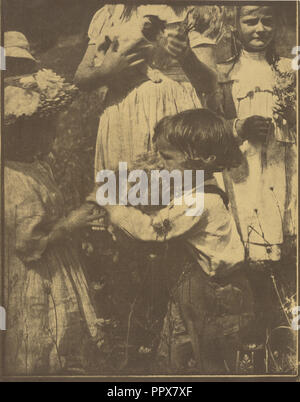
pixel 16 45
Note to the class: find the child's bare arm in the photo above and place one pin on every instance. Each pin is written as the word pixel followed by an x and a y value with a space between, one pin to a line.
pixel 198 63
pixel 201 68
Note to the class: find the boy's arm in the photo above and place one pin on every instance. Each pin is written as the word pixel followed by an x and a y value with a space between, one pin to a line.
pixel 166 224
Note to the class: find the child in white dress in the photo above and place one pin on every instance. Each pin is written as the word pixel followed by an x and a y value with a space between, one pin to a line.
pixel 263 190
pixel 133 102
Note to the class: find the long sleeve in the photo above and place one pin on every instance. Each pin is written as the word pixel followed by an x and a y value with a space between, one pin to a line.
pixel 100 21
pixel 31 231
pixel 29 216
pixel 168 223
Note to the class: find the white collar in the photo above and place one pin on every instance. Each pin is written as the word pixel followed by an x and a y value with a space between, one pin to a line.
pixel 253 56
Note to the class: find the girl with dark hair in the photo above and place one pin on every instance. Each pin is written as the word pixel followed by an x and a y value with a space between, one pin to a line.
pixel 262 190
pixel 211 302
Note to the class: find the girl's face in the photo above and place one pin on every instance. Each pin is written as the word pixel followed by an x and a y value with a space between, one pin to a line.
pixel 256 27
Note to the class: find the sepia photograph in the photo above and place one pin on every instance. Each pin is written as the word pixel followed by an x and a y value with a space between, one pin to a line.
pixel 149 190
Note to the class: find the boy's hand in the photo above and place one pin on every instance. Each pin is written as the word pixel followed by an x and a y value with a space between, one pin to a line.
pixel 254 128
pixel 83 216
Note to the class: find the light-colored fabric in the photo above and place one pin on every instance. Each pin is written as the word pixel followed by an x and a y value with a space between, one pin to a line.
pixel 16 45
pixel 258 189
pixel 126 125
pixel 46 292
pixel 211 235
pixel 112 15
pixel 126 128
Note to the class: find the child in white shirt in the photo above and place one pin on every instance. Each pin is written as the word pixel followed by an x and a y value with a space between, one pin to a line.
pixel 212 284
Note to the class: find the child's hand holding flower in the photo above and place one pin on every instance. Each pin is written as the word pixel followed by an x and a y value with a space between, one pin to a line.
pixel 284 115
pixel 285 98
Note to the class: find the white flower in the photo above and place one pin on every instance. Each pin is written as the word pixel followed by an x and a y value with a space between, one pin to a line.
pixel 49 82
pixel 102 322
pixel 144 350
pixel 19 101
pixel 28 81
pixel 191 363
pixel 48 76
pixel 43 92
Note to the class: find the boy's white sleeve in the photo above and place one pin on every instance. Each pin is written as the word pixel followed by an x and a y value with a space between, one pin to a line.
pixel 168 223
